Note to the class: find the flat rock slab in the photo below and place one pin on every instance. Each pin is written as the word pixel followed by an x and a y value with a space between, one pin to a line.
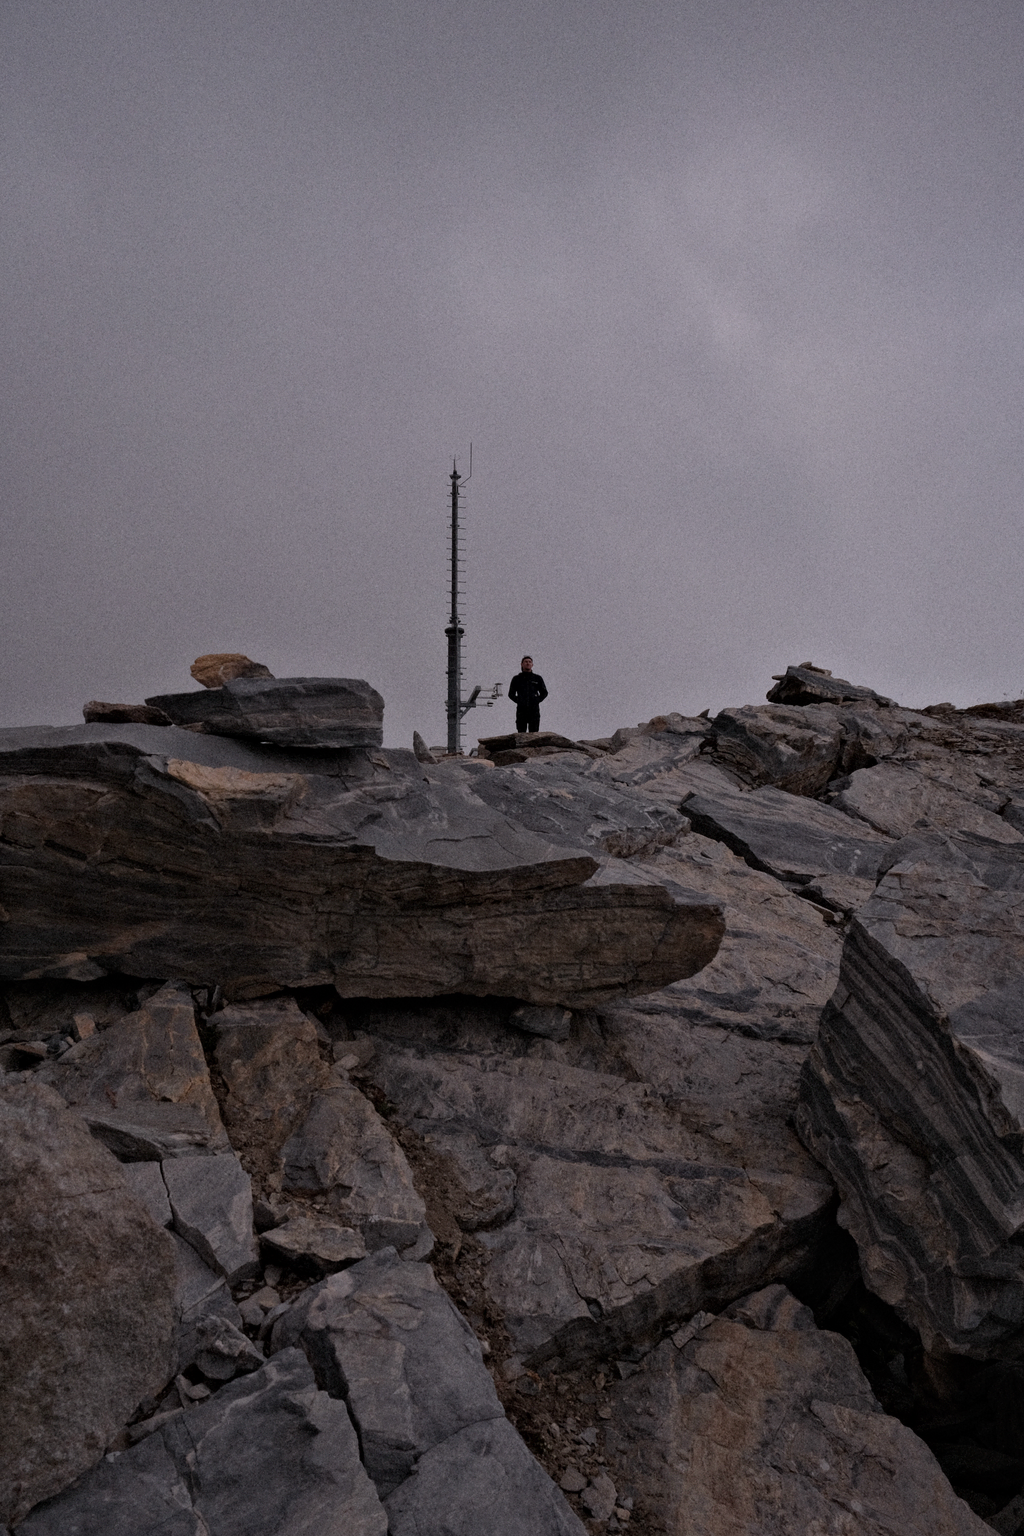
pixel 159 852
pixel 761 1424
pixel 322 1245
pixel 267 1455
pixel 482 1479
pixel 211 1203
pixel 809 685
pixel 287 711
pixel 87 1309
pixel 793 838
pixel 386 1335
pixel 898 799
pixel 913 1096
pixel 144 1079
pixel 343 1152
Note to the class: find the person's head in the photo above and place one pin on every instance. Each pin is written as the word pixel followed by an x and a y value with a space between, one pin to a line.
pixel 527 663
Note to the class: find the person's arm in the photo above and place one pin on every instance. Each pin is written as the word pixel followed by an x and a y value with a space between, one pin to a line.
pixel 542 695
pixel 513 689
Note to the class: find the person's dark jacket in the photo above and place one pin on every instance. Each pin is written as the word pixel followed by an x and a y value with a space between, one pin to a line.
pixel 527 688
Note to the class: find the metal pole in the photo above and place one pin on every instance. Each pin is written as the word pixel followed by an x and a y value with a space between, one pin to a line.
pixel 454 631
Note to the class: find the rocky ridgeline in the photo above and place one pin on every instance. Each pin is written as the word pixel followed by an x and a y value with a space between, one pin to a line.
pixel 622 1135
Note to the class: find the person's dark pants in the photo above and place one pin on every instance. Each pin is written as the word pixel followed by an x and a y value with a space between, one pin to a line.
pixel 528 718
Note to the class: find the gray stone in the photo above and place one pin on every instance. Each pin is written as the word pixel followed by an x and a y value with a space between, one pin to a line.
pixel 147 1185
pixel 211 1201
pixel 86 1298
pixel 788 836
pixel 599 1497
pixel 913 1096
pixel 322 1245
pixel 286 711
pixel 551 1023
pixel 385 1335
pixel 98 713
pixel 199 1293
pixel 163 852
pixel 267 1455
pixel 142 1085
pixel 797 750
pixel 222 1349
pixel 343 1151
pixel 483 1479
pixel 761 1425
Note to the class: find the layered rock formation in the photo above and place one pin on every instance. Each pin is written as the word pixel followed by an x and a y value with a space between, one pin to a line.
pixel 431 1127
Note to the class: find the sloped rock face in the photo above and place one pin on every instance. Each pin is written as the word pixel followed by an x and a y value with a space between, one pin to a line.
pixel 87 1298
pixel 287 711
pixel 913 1096
pixel 120 854
pixel 269 1456
pixel 756 1422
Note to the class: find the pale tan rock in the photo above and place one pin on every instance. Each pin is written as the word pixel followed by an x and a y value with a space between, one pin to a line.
pixel 269 1059
pixel 144 1077
pixel 763 1426
pixel 222 667
pixel 87 1290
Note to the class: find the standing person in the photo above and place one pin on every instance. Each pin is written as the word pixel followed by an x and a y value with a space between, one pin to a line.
pixel 526 690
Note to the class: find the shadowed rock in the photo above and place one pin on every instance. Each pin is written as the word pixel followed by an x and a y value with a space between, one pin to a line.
pixel 816 685
pixel 756 1422
pixel 87 1315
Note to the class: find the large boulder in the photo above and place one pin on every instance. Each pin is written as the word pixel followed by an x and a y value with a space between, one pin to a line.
pixel 159 852
pixel 795 749
pixel 87 1290
pixel 807 684
pixel 913 1095
pixel 288 711
pixel 756 1422
pixel 268 1455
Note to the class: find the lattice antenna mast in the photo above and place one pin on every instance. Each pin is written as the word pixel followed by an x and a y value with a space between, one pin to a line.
pixel 457 705
pixel 455 631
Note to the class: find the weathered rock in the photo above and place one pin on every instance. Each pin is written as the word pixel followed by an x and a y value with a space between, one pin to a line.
pixel 86 1298
pixel 322 1245
pixel 211 1202
pixel 224 666
pixel 641 1169
pixel 385 1335
pixel 269 1059
pixel 161 852
pixel 482 1479
pixel 797 750
pixel 421 751
pixel 551 1023
pixel 97 713
pixel 142 1085
pixel 792 838
pixel 200 1293
pixel 146 1183
pixel 897 799
pixel 816 685
pixel 761 1424
pixel 287 711
pixel 222 1349
pixel 267 1455
pixel 343 1152
pixel 913 1096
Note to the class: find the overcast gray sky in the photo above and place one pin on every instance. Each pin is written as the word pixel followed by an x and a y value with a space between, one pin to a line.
pixel 728 297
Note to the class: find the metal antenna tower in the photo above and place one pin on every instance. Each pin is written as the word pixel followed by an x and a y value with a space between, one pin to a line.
pixel 457 705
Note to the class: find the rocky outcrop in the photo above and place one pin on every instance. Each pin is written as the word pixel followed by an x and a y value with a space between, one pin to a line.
pixel 269 1455
pixel 287 711
pixel 756 1422
pixel 808 684
pixel 87 1298
pixel 157 852
pixel 913 1096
